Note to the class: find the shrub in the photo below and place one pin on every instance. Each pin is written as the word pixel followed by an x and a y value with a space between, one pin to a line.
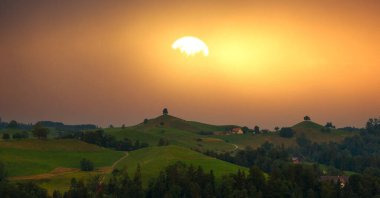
pixel 6 136
pixel 86 165
pixel 286 132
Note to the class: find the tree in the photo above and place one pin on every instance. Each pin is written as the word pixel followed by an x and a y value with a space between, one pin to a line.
pixel 86 165
pixel 21 135
pixel 13 124
pixel 256 129
pixel 329 125
pixel 136 187
pixel 3 172
pixel 245 129
pixel 165 112
pixel 40 132
pixel 276 128
pixel 163 142
pixel 306 118
pixel 373 125
pixel 286 132
pixel 146 121
pixel 123 126
pixel 57 194
pixel 6 136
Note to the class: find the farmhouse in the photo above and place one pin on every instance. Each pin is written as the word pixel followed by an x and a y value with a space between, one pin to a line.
pixel 343 180
pixel 237 131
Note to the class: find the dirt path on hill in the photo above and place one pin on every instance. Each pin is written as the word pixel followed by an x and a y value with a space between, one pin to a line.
pixel 236 147
pixel 56 172
pixel 108 170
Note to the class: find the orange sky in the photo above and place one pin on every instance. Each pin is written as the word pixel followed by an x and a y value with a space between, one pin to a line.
pixel 270 62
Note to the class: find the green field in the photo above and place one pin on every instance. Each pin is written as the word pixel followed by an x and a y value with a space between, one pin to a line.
pixel 30 157
pixel 52 162
pixel 153 159
pixel 177 131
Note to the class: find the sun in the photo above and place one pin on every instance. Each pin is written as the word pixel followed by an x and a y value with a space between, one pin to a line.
pixel 191 46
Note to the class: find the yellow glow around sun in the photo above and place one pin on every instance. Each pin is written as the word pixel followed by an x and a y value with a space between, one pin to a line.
pixel 190 46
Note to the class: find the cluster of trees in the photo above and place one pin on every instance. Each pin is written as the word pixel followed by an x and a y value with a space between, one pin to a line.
pixel 40 131
pixel 24 189
pixel 86 165
pixel 286 132
pixel 20 135
pixel 163 142
pixel 13 124
pixel 98 137
pixel 182 180
pixel 356 153
pixel 266 157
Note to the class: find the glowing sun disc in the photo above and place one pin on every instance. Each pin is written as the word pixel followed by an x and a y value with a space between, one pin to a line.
pixel 190 46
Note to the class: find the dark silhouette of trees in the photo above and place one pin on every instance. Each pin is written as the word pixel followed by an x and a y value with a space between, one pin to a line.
pixel 12 124
pixel 6 136
pixel 286 132
pixel 86 165
pixel 276 128
pixel 329 125
pixel 163 142
pixel 373 125
pixel 306 118
pixel 22 135
pixel 99 138
pixel 256 129
pixel 146 121
pixel 245 129
pixel 165 111
pixel 40 132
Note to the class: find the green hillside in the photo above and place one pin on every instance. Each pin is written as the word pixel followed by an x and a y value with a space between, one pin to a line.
pixel 153 159
pixel 308 125
pixel 30 157
pixel 311 130
pixel 177 131
pixel 169 121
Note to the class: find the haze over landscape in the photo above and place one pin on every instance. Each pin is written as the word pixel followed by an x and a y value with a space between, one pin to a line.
pixel 270 62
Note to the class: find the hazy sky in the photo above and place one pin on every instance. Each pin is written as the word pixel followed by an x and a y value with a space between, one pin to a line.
pixel 111 62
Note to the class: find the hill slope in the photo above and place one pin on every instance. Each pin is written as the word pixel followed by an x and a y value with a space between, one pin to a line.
pixel 175 130
pixel 153 159
pixel 311 130
pixel 30 157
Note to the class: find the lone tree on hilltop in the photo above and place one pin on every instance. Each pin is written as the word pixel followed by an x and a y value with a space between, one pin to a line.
pixel 306 118
pixel 165 111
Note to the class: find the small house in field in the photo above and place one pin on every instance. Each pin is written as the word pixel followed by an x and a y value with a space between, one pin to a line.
pixel 296 160
pixel 237 130
pixel 342 180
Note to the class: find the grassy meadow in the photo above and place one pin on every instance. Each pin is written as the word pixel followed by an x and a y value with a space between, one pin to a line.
pixel 153 159
pixel 31 156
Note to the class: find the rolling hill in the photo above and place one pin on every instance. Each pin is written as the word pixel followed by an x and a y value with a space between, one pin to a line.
pixel 176 131
pixel 186 133
pixel 311 130
pixel 32 156
pixel 153 159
